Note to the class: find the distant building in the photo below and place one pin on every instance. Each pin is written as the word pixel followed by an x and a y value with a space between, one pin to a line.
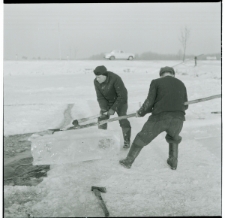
pixel 211 58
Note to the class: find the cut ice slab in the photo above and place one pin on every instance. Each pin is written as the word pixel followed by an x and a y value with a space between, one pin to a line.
pixel 75 146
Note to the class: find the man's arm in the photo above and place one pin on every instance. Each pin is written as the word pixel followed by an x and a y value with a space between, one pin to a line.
pixel 149 102
pixel 120 91
pixel 186 99
pixel 103 104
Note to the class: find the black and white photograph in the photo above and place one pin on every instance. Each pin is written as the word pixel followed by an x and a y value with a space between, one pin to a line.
pixel 112 109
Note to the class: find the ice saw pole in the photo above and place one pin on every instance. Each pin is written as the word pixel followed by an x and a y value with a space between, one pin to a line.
pixel 203 99
pixel 77 122
pixel 134 114
pixel 129 115
pixel 117 118
pixel 94 123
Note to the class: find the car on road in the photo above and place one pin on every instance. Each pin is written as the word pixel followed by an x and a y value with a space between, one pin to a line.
pixel 119 54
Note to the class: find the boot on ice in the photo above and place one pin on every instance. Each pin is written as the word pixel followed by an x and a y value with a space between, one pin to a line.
pixel 131 156
pixel 126 136
pixel 173 156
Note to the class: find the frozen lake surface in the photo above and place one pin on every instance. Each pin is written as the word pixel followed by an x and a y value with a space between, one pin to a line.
pixel 39 95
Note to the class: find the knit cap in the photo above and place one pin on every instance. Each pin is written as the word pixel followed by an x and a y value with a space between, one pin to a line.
pixel 166 69
pixel 100 70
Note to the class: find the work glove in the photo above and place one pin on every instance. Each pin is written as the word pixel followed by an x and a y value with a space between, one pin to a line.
pixel 103 111
pixel 110 112
pixel 137 114
pixel 104 114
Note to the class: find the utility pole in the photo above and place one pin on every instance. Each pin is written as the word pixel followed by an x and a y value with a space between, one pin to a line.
pixel 59 42
pixel 185 34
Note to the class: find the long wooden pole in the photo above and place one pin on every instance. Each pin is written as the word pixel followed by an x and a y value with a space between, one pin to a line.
pixel 117 118
pixel 134 114
pixel 203 99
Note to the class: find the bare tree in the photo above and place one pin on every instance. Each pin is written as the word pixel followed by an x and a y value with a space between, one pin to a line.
pixel 185 34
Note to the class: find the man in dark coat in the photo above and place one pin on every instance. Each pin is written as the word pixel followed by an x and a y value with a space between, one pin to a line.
pixel 112 97
pixel 165 101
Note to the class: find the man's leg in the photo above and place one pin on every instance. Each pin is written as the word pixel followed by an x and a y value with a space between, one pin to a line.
pixel 149 131
pixel 174 139
pixel 125 125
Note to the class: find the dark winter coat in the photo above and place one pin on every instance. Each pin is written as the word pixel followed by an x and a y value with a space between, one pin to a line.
pixel 166 97
pixel 112 93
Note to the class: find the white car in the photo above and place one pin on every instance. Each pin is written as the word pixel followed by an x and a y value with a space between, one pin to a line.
pixel 118 54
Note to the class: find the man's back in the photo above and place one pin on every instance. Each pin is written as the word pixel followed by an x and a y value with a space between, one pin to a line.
pixel 166 97
pixel 170 95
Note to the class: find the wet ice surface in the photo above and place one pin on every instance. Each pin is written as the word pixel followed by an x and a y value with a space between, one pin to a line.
pixel 149 188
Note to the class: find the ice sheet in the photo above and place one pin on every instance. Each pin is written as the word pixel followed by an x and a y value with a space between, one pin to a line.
pixel 74 146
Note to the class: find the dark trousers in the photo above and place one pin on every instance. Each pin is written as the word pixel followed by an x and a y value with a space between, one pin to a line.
pixel 121 111
pixel 151 129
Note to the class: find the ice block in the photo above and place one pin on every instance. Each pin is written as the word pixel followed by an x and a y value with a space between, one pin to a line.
pixel 74 146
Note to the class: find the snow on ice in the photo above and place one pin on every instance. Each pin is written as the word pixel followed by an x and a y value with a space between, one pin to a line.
pixel 40 95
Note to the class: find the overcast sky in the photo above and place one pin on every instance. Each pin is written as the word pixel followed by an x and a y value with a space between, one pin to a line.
pixel 82 30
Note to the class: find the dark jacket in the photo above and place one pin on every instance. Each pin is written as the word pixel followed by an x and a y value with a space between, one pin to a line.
pixel 166 97
pixel 112 93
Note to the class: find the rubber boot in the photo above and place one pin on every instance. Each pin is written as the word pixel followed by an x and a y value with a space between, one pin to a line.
pixel 173 156
pixel 126 137
pixel 131 156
